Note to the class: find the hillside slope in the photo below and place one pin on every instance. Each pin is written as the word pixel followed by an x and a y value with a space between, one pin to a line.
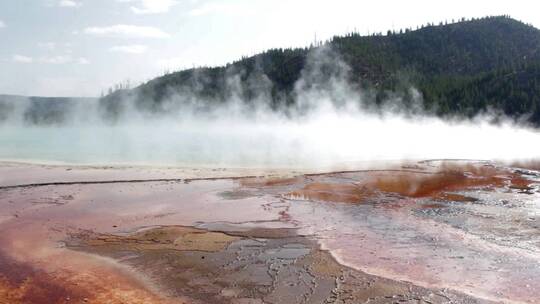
pixel 459 69
pixel 454 66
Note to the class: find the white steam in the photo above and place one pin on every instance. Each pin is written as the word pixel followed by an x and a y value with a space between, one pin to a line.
pixel 330 125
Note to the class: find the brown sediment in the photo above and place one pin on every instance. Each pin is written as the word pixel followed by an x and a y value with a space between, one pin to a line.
pixel 163 238
pixel 267 233
pixel 21 283
pixel 439 184
pixel 36 269
pixel 520 183
pixel 24 283
pixel 447 178
pixel 257 266
pixel 331 192
pixel 453 197
pixel 269 181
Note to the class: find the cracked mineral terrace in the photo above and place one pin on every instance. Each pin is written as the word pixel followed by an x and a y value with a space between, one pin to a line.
pixel 428 232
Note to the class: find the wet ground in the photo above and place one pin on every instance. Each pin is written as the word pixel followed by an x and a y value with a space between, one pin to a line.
pixel 427 232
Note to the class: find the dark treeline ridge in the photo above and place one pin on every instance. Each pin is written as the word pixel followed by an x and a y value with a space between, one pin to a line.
pixel 459 68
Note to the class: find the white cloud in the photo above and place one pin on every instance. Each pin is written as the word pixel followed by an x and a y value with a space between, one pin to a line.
pixel 60 59
pixel 150 6
pixel 64 59
pixel 220 8
pixel 128 31
pixel 69 3
pixel 22 59
pixel 56 59
pixel 130 49
pixel 2 24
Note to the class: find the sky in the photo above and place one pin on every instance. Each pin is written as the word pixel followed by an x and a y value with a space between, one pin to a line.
pixel 83 47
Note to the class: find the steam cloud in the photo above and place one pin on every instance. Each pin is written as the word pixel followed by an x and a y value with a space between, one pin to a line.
pixel 330 124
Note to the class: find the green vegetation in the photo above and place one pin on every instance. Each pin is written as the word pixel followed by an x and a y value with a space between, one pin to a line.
pixel 461 68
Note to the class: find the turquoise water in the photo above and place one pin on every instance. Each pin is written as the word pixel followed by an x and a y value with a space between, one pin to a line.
pixel 144 145
pixel 323 140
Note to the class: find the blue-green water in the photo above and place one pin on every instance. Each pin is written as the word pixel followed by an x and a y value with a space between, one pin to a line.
pixel 323 140
pixel 145 145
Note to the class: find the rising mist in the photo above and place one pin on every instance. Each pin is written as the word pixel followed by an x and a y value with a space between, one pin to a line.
pixel 331 123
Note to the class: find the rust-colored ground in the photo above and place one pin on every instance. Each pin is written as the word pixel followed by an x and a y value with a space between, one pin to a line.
pixel 332 192
pixel 46 261
pixel 438 184
pixel 23 283
pixel 35 269
pixel 270 181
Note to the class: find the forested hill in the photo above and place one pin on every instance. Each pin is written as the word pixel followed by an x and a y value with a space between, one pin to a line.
pixel 459 68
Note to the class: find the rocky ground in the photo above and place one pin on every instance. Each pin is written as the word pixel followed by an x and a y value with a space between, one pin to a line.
pixel 253 266
pixel 429 232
